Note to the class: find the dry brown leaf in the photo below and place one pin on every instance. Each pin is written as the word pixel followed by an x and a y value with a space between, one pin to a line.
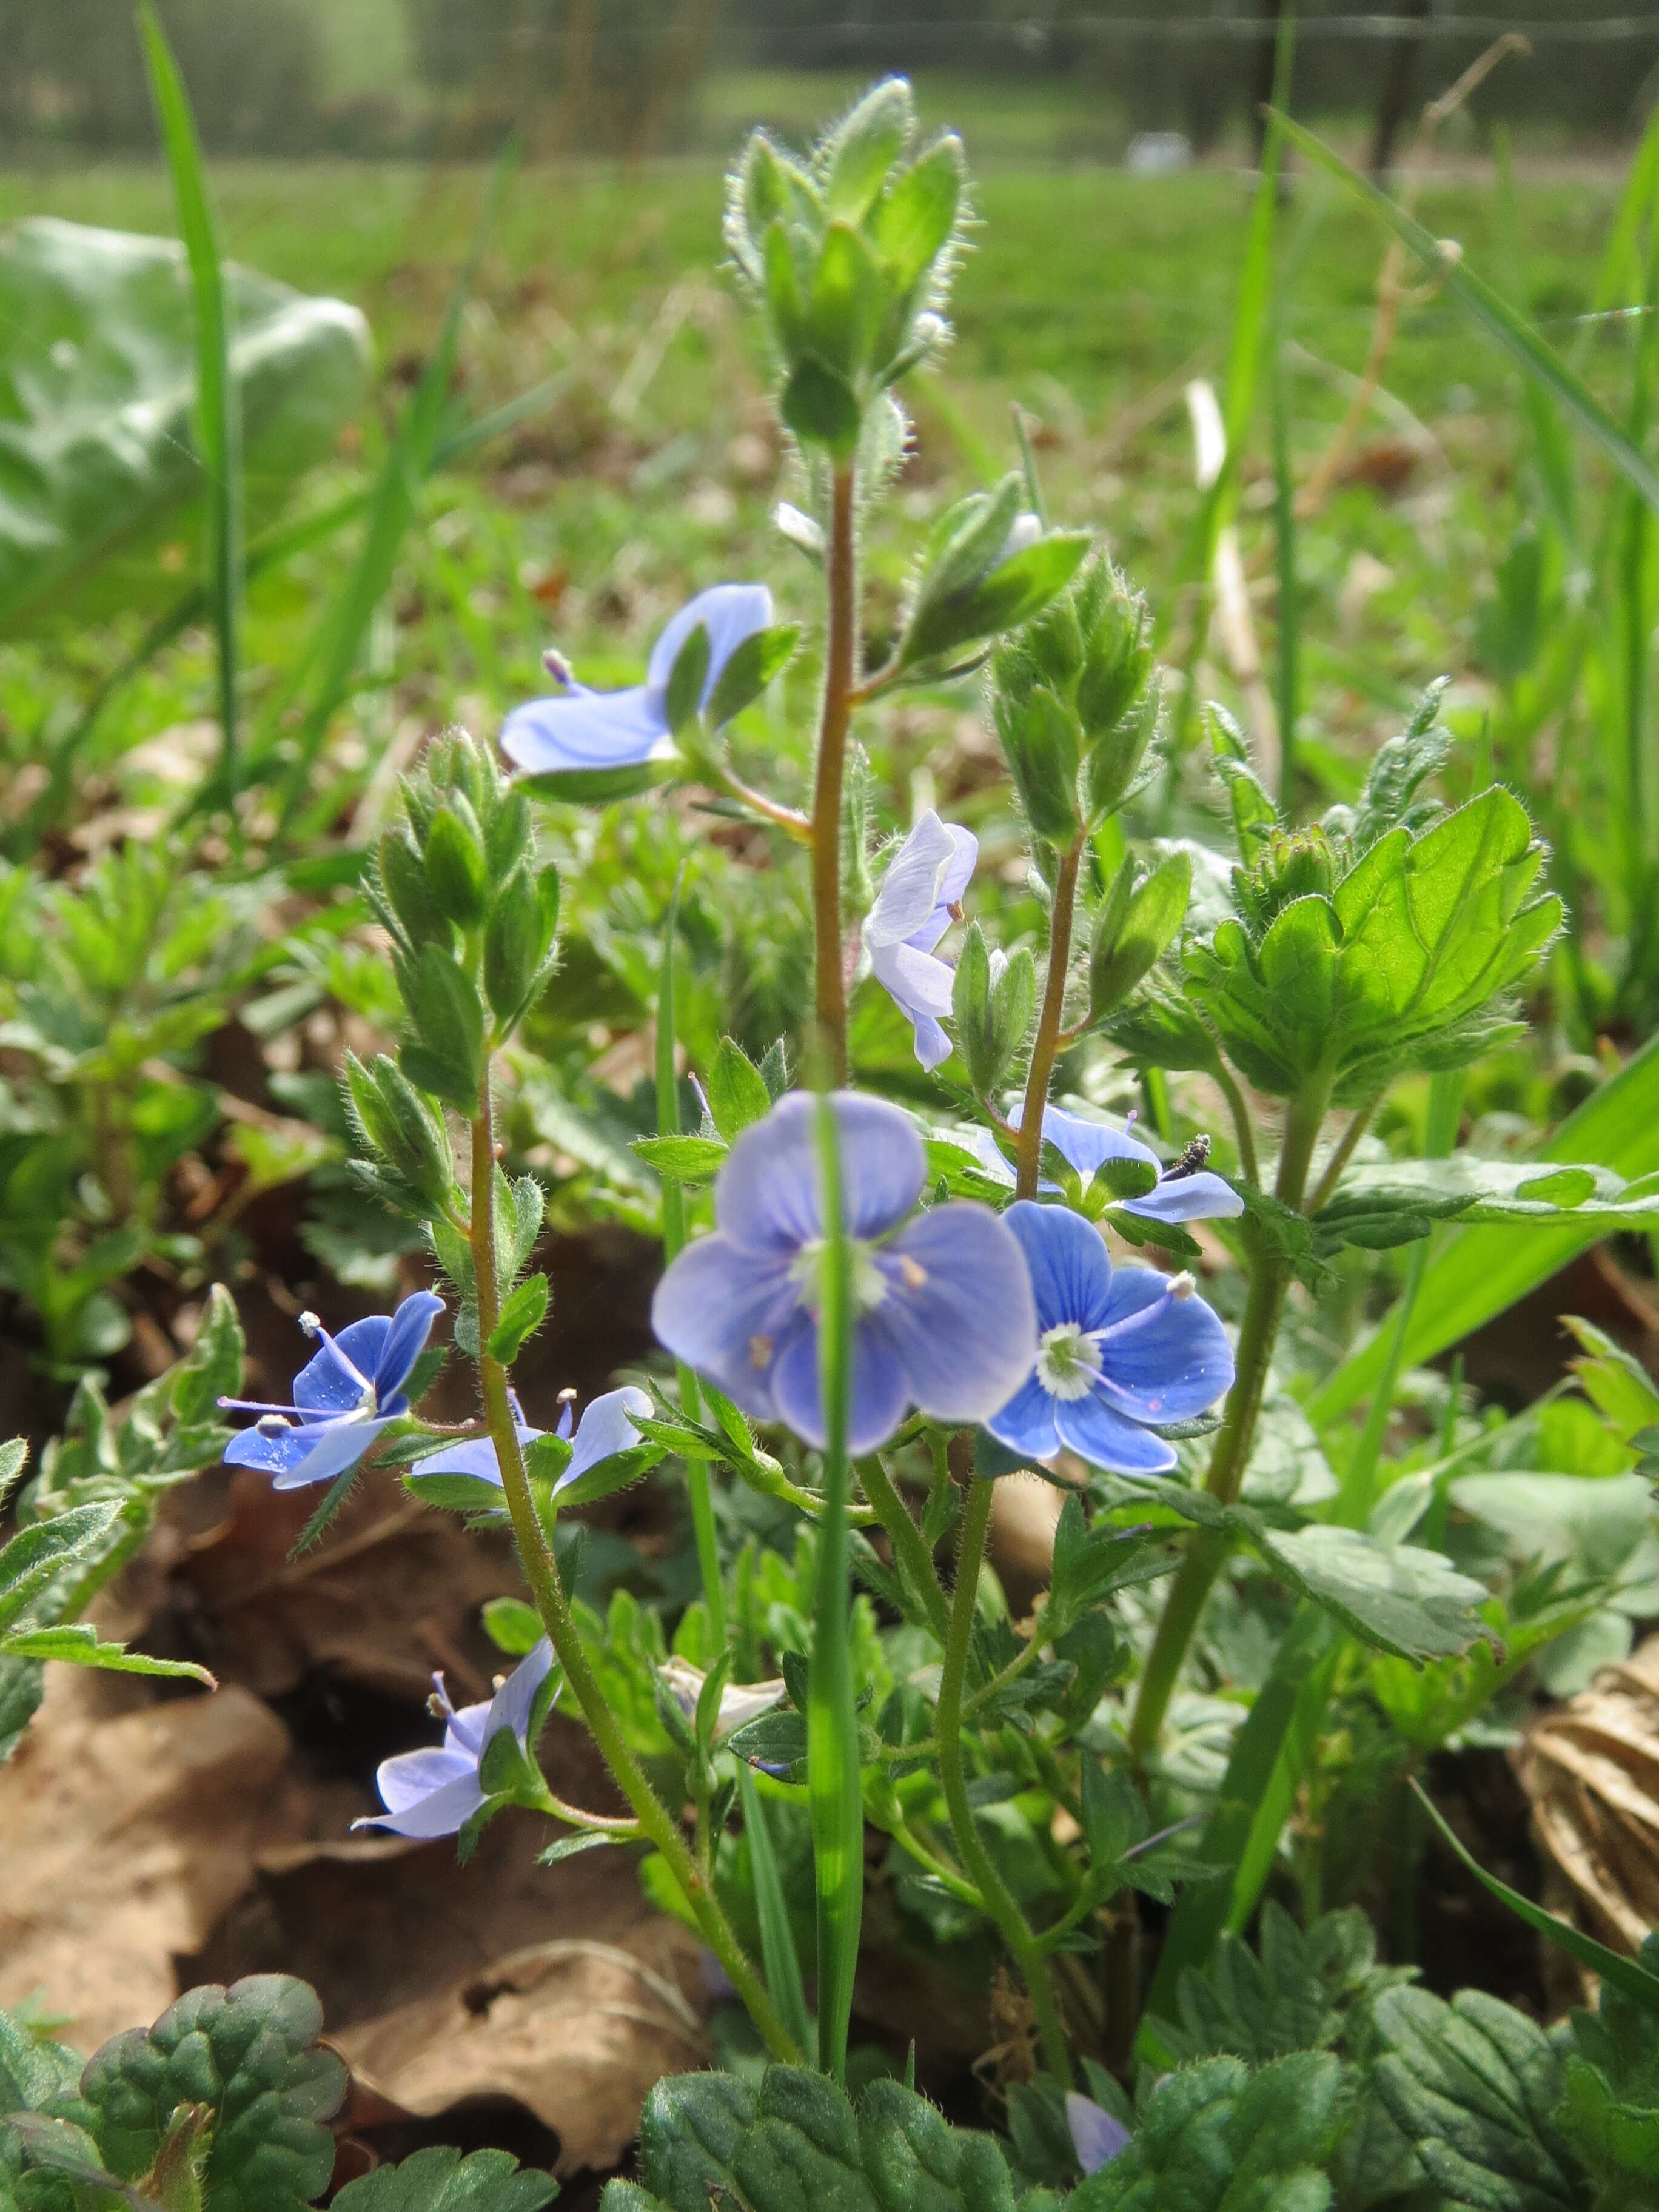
pixel 575 2030
pixel 1591 1769
pixel 123 1838
pixel 395 1592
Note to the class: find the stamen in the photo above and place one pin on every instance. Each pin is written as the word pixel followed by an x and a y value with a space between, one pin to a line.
pixel 568 1396
pixel 1182 1286
pixel 558 667
pixel 254 1405
pixel 312 1327
pixel 912 1273
pixel 760 1352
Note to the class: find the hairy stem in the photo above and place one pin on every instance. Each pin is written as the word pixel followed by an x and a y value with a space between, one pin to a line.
pixel 999 1900
pixel 656 1823
pixel 1047 1035
pixel 1243 1129
pixel 1338 1159
pixel 1270 1280
pixel 840 669
pixel 910 1553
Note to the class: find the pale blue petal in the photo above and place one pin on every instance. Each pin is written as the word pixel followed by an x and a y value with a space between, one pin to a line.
pixel 335 1446
pixel 583 729
pixel 1070 1274
pixel 1026 1422
pixel 404 1780
pixel 404 1341
pixel 444 1812
pixel 465 1736
pixel 606 1429
pixel 983 1146
pixel 1104 1438
pixel 878 1401
pixel 910 891
pixel 958 1311
pixel 729 613
pixel 510 1707
pixel 273 1450
pixel 1097 2137
pixel 722 1310
pixel 959 869
pixel 1086 1145
pixel 917 980
pixel 933 1045
pixel 1200 1197
pixel 766 1196
pixel 1168 1361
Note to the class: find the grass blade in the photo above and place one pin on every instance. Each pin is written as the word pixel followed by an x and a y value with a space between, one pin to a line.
pixel 833 1786
pixel 778 1955
pixel 1481 1271
pixel 1494 315
pixel 1626 1975
pixel 218 402
pixel 392 508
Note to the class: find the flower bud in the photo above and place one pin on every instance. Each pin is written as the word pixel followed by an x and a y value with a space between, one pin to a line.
pixel 455 867
pixel 1114 760
pixel 1039 738
pixel 409 893
pixel 992 1002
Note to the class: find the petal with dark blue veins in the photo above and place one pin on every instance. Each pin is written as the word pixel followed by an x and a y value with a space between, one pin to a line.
pixel 326 1383
pixel 1166 1360
pixel 335 1446
pixel 878 1401
pixel 910 894
pixel 1026 1422
pixel 1070 1274
pixel 958 1310
pixel 404 1342
pixel 1096 1432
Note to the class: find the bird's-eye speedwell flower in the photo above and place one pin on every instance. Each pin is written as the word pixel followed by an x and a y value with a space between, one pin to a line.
pixel 1097 2137
pixel 584 729
pixel 436 1792
pixel 914 907
pixel 944 1318
pixel 343 1397
pixel 1181 1192
pixel 1120 1351
pixel 606 1429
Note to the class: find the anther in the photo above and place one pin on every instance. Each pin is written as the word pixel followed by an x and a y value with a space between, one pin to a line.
pixel 914 1273
pixel 1183 1285
pixel 760 1352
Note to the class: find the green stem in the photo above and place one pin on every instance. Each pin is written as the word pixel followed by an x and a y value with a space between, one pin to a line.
pixel 656 1823
pixel 910 1552
pixel 1270 1280
pixel 833 1787
pixel 1048 1036
pixel 999 1902
pixel 1242 1130
pixel 840 669
pixel 698 1482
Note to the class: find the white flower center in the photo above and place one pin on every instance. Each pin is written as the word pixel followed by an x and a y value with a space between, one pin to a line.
pixel 869 1284
pixel 1068 1360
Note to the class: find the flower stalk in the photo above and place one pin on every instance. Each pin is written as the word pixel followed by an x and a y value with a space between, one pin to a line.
pixel 1030 1155
pixel 840 671
pixel 999 1900
pixel 656 1825
pixel 1270 1280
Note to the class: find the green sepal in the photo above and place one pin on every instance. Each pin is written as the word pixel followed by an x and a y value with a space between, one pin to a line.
pixel 1135 928
pixel 684 697
pixel 762 655
pixel 455 867
pixel 737 1091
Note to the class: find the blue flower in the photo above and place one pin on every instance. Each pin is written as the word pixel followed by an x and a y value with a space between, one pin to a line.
pixel 1097 2137
pixel 1118 1351
pixel 436 1793
pixel 1182 1194
pixel 920 896
pixel 942 1302
pixel 606 1429
pixel 342 1398
pixel 584 729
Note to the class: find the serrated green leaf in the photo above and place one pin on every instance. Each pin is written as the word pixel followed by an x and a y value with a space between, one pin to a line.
pixel 39 1552
pixel 1396 1597
pixel 248 2052
pixel 439 2180
pixel 77 1643
pixel 1215 2137
pixel 1472 2086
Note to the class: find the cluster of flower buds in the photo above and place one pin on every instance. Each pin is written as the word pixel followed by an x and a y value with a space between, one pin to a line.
pixel 988 566
pixel 1075 700
pixel 850 257
pixel 472 918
